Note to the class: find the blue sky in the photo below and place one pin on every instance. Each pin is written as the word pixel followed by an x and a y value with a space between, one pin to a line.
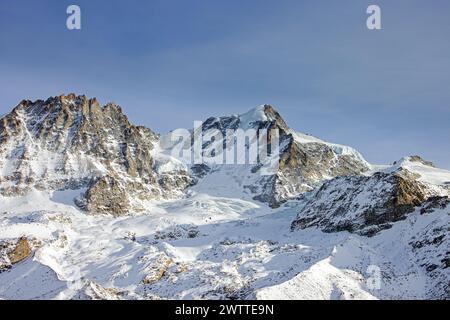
pixel 170 62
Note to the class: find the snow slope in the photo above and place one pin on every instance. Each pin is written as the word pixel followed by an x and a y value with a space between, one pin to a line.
pixel 218 247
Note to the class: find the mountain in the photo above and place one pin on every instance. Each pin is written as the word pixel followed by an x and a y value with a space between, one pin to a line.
pixel 304 161
pixel 71 142
pixel 93 207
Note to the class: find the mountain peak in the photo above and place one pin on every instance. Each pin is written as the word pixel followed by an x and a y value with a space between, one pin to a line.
pixel 63 111
pixel 254 115
pixel 416 159
pixel 260 114
pixel 70 102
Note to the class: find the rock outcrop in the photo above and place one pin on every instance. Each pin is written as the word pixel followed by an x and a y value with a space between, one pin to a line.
pixel 20 252
pixel 94 291
pixel 363 204
pixel 14 252
pixel 157 268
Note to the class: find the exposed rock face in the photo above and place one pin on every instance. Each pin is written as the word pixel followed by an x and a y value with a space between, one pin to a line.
pixel 71 142
pixel 304 162
pixel 12 253
pixel 107 195
pixel 178 232
pixel 304 166
pixel 431 247
pixel 362 204
pixel 21 251
pixel 94 291
pixel 157 269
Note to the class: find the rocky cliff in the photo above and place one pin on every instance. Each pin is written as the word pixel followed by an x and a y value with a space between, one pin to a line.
pixel 71 142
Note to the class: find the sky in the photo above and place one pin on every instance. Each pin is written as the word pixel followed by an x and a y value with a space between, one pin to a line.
pixel 170 62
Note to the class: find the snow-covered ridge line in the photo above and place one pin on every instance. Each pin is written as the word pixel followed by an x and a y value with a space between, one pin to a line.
pixel 72 139
pixel 198 232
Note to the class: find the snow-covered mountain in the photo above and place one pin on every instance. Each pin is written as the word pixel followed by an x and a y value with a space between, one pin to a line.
pixel 368 204
pixel 92 207
pixel 304 163
pixel 71 142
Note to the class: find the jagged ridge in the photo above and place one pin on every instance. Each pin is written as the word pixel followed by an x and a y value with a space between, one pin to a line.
pixel 71 142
